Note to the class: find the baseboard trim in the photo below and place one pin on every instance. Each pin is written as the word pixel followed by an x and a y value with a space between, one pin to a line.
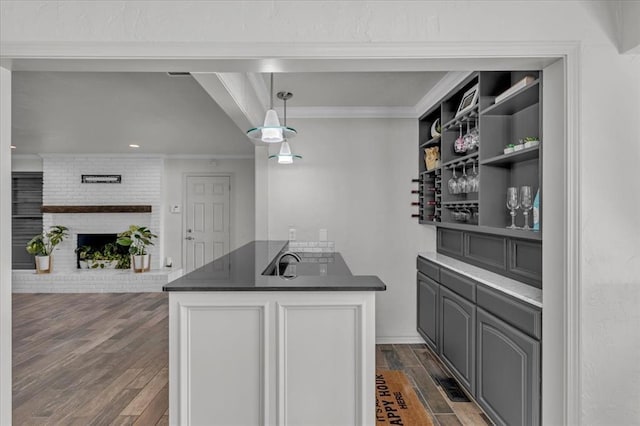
pixel 398 340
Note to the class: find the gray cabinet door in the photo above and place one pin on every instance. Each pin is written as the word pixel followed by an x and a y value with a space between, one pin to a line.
pixel 457 337
pixel 508 385
pixel 428 310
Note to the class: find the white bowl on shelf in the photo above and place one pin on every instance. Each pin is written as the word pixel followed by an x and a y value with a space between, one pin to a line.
pixel 518 147
pixel 508 150
pixel 531 144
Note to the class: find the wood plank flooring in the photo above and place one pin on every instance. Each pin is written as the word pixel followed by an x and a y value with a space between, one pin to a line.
pixel 90 359
pixel 98 359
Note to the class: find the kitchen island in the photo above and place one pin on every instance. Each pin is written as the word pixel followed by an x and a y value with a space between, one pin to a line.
pixel 250 348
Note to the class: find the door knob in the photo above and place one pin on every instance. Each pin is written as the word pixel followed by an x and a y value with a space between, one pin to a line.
pixel 189 238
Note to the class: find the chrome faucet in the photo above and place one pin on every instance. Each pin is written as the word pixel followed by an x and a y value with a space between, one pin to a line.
pixel 282 256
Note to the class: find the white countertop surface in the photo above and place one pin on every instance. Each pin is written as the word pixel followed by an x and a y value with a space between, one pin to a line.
pixel 509 286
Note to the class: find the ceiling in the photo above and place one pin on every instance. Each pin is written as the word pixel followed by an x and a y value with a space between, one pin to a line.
pixel 354 89
pixel 94 112
pixel 104 112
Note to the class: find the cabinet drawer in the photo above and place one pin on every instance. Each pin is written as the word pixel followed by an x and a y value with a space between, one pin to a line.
pixel 428 268
pixel 464 286
pixel 522 316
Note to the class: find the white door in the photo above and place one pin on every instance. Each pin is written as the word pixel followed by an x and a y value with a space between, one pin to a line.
pixel 207 220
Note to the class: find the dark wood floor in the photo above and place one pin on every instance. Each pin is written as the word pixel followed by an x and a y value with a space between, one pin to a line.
pixel 94 359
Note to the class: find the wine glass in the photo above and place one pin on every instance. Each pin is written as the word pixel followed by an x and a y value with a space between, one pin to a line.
pixel 462 181
pixel 453 183
pixel 459 145
pixel 472 185
pixel 467 138
pixel 512 204
pixel 475 137
pixel 526 204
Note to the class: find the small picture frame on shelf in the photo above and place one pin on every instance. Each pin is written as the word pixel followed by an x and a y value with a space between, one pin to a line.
pixel 469 100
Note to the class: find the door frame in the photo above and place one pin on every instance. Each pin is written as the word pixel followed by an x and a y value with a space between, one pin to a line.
pixel 561 402
pixel 186 175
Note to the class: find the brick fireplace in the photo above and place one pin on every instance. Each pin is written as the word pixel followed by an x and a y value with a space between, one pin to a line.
pixel 141 184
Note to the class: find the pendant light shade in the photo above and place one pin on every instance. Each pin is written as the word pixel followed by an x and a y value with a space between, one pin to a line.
pixel 271 131
pixel 285 156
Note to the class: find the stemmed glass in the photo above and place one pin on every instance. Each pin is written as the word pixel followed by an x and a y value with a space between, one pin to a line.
pixel 463 181
pixel 526 204
pixel 453 183
pixel 512 204
pixel 475 137
pixel 468 137
pixel 472 180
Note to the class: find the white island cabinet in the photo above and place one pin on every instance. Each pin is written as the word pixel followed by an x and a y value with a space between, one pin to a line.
pixel 293 354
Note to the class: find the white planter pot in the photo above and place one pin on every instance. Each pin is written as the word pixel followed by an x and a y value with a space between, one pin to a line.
pixel 44 264
pixel 141 263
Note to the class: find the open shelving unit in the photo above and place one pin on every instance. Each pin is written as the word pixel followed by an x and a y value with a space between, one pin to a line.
pixel 514 117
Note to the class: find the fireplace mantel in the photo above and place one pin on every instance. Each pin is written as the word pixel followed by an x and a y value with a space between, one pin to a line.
pixel 97 209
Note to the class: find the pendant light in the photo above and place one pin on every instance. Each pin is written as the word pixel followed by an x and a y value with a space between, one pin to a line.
pixel 271 131
pixel 285 156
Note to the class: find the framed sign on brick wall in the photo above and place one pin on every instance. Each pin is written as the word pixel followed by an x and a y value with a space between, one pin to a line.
pixel 101 178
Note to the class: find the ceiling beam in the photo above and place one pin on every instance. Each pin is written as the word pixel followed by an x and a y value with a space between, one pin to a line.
pixel 233 92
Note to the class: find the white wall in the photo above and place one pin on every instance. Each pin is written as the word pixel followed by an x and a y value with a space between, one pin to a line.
pixel 242 199
pixel 355 181
pixel 610 287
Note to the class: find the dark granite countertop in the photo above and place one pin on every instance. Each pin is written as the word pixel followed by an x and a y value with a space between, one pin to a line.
pixel 241 270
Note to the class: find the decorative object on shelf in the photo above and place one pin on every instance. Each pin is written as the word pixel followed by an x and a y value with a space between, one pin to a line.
pixel 271 131
pixel 536 211
pixel 512 204
pixel 519 146
pixel 436 128
pixel 43 245
pixel 285 156
pixel 469 100
pixel 508 149
pixel 526 204
pixel 137 239
pixel 432 157
pixel 519 85
pixel 531 141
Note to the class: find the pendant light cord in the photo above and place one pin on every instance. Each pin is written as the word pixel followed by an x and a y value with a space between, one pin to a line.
pixel 271 104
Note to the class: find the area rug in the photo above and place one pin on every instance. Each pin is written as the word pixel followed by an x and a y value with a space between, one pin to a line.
pixel 396 401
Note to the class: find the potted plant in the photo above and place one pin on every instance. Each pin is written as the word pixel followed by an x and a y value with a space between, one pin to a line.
pixel 43 245
pixel 107 258
pixel 138 238
pixel 83 255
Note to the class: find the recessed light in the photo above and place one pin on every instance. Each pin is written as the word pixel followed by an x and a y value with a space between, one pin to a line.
pixel 134 145
pixel 13 147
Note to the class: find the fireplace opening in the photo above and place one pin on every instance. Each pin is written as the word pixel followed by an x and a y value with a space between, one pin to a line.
pixel 100 251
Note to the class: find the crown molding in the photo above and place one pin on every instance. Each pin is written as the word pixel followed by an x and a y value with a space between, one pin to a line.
pixel 209 157
pixel 349 112
pixel 104 155
pixel 26 157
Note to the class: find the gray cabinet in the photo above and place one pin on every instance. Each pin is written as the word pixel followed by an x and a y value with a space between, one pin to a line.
pixel 428 308
pixel 457 336
pixel 490 341
pixel 508 361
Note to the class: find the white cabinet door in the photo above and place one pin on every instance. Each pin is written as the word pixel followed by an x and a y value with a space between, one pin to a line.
pixel 275 358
